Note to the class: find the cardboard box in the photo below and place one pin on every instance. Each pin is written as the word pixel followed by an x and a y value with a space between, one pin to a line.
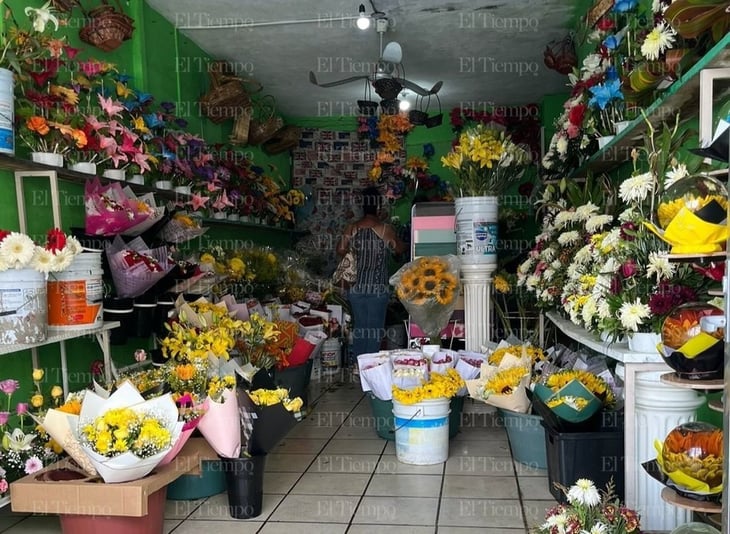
pixel 90 496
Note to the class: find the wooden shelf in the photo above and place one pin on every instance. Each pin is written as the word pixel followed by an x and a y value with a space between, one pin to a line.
pixel 682 96
pixel 706 385
pixel 616 351
pixel 56 337
pixel 716 405
pixel 672 497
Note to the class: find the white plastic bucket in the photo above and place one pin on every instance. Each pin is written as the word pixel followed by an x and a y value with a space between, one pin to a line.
pixel 47 158
pixel 422 431
pixel 75 295
pixel 116 174
pixel 7 113
pixel 23 307
pixel 477 229
pixel 83 166
pixel 330 355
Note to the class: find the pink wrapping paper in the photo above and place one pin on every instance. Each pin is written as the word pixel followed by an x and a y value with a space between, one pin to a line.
pixel 221 425
pixel 187 431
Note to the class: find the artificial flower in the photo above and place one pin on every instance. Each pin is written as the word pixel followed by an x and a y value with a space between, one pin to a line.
pixel 658 41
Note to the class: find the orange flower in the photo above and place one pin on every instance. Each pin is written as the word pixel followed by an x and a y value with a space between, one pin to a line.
pixel 185 372
pixel 38 124
pixel 79 136
pixel 73 407
pixel 69 95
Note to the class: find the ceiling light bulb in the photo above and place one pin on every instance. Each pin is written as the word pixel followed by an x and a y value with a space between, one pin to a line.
pixel 363 21
pixel 404 105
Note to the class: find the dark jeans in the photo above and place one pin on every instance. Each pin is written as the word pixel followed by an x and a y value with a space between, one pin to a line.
pixel 368 310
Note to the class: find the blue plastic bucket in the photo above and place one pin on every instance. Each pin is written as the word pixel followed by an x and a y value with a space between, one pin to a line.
pixel 526 437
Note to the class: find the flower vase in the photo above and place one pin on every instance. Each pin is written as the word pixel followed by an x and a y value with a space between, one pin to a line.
pixel 47 158
pixel 604 140
pixel 644 342
pixel 83 166
pixel 233 217
pixel 243 218
pixel 163 184
pixel 137 179
pixel 183 189
pixel 115 174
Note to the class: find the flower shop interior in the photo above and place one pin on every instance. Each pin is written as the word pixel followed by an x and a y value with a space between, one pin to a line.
pixel 181 181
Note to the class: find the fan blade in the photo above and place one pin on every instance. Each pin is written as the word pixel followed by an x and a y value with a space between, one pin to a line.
pixel 420 90
pixel 313 79
pixel 392 53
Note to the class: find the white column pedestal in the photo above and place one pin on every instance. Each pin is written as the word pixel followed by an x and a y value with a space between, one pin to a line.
pixel 658 408
pixel 477 281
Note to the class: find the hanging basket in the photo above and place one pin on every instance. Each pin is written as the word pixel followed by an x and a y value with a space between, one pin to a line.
pixel 107 27
pixel 284 139
pixel 265 122
pixel 241 127
pixel 228 97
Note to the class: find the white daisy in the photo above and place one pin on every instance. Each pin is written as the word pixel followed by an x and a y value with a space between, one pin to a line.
pixel 586 211
pixel 677 173
pixel 632 314
pixel 597 222
pixel 569 238
pixel 17 250
pixel 660 267
pixel 636 188
pixel 584 492
pixel 62 260
pixel 42 260
pixel 598 528
pixel 73 245
pixel 562 146
pixel 658 41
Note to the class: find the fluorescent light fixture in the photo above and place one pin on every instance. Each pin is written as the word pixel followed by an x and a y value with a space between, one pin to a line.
pixel 363 21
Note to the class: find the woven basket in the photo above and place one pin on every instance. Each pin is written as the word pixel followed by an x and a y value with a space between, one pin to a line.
pixel 265 122
pixel 106 27
pixel 241 126
pixel 228 97
pixel 284 139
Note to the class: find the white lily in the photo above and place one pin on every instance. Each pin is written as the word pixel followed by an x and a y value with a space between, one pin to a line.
pixel 18 440
pixel 42 16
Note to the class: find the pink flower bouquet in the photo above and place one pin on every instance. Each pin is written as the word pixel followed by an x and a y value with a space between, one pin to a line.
pixel 109 211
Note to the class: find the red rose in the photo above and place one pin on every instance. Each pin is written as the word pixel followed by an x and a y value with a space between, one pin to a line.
pixel 576 114
pixel 604 24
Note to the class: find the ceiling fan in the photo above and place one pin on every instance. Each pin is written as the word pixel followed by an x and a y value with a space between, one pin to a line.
pixel 388 75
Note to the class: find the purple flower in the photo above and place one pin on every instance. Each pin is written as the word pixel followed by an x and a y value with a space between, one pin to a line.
pixel 4 416
pixel 628 269
pixel 21 408
pixel 32 465
pixel 628 231
pixel 167 106
pixel 9 386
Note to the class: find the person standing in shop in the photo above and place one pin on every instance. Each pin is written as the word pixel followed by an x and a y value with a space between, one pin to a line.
pixel 372 241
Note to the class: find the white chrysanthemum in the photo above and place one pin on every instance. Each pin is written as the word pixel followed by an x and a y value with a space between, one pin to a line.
pixel 573 271
pixel 561 146
pixel 584 255
pixel 42 260
pixel 636 188
pixel 62 260
pixel 563 219
pixel 632 314
pixel 658 41
pixel 610 266
pixel 548 274
pixel 586 211
pixel 604 309
pixel 677 173
pixel 598 528
pixel 569 238
pixel 555 264
pixel 557 521
pixel 17 250
pixel 611 240
pixel 532 281
pixel 545 296
pixel 73 245
pixel 548 254
pixel 589 311
pixel 629 214
pixel 526 266
pixel 660 267
pixel 596 223
pixel 591 65
pixel 584 492
pixel 584 142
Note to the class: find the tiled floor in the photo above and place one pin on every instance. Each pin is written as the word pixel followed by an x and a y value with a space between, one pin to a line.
pixel 333 474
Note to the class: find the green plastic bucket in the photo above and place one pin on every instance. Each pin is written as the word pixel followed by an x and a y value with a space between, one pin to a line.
pixel 211 481
pixel 526 437
pixel 383 414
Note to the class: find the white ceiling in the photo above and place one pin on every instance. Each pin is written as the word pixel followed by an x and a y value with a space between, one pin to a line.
pixel 485 51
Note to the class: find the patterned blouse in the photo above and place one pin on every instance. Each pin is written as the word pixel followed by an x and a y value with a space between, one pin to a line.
pixel 372 262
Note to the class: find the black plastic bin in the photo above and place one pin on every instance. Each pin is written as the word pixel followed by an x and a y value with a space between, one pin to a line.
pixel 121 310
pixel 598 456
pixel 145 310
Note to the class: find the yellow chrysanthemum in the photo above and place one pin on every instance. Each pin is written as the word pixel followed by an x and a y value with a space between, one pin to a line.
pixel 501 285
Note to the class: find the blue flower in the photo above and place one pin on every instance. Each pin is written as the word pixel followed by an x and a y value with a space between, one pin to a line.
pixel 622 6
pixel 152 120
pixel 428 150
pixel 611 73
pixel 604 93
pixel 613 41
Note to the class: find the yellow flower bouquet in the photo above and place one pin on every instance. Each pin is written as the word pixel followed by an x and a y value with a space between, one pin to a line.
pixel 486 162
pixel 428 288
pixel 220 425
pixel 575 395
pixel 125 437
pixel 438 386
pixel 266 417
pixel 504 384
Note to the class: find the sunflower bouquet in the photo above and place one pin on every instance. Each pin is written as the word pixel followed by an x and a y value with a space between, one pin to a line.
pixel 504 378
pixel 575 395
pixel 428 288
pixel 438 386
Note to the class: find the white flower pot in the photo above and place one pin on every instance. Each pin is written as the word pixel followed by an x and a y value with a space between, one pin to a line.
pixel 644 342
pixel 136 179
pixel 47 158
pixel 183 189
pixel 620 126
pixel 115 174
pixel 83 166
pixel 163 184
pixel 219 215
pixel 243 218
pixel 233 217
pixel 604 140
